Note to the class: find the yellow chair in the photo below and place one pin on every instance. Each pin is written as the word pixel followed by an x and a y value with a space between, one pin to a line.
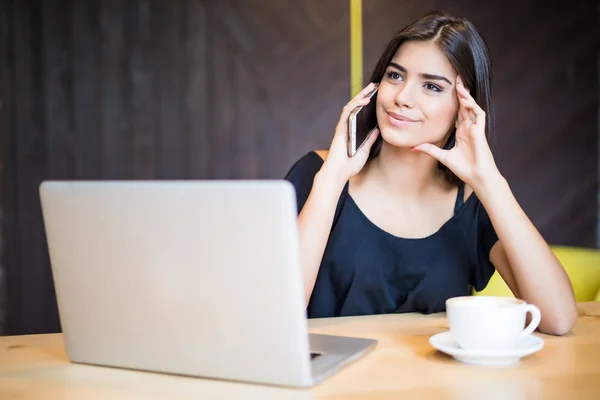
pixel 582 266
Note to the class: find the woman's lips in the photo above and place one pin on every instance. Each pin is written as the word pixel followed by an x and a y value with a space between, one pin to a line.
pixel 399 120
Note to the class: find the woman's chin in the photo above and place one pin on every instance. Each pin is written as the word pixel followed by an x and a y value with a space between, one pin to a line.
pixel 400 142
pixel 406 140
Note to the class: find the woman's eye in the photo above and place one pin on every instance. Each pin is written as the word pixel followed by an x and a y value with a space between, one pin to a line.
pixel 432 87
pixel 394 75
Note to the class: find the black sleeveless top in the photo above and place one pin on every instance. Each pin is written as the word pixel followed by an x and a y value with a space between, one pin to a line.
pixel 366 270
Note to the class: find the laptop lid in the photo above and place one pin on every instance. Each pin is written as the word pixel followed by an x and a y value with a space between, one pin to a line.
pixel 198 278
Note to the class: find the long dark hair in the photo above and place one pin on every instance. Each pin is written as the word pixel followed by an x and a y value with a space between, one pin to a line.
pixel 467 52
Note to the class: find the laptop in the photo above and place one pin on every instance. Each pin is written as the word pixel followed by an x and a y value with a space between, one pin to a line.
pixel 196 278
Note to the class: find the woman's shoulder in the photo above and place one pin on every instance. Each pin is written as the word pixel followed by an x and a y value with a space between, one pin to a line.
pixel 313 156
pixel 322 153
pixel 302 173
pixel 308 164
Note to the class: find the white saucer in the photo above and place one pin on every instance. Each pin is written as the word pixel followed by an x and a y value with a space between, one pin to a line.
pixel 445 342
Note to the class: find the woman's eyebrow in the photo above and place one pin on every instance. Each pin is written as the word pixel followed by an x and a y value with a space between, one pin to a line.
pixel 426 76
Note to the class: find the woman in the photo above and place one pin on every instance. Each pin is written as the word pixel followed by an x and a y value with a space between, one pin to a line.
pixel 421 213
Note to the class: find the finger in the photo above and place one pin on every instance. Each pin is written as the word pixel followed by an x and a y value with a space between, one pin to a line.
pixel 471 105
pixel 462 90
pixel 466 109
pixel 463 111
pixel 361 99
pixel 460 86
pixel 466 128
pixel 468 103
pixel 348 108
pixel 433 151
pixel 459 117
pixel 477 113
pixel 366 148
pixel 352 104
pixel 464 94
pixel 364 92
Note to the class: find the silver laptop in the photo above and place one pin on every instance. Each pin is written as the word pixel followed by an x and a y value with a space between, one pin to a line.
pixel 199 278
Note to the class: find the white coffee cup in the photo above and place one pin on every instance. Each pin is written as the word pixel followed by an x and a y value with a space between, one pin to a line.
pixel 490 323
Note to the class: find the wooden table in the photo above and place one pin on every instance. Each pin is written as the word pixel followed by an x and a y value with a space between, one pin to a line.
pixel 402 366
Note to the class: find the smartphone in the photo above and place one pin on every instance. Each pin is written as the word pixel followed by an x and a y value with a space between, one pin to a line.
pixel 361 122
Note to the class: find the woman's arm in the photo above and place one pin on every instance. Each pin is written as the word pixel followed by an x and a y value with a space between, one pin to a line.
pixel 314 225
pixel 524 259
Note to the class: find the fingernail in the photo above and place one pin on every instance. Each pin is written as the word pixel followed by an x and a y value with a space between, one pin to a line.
pixel 413 149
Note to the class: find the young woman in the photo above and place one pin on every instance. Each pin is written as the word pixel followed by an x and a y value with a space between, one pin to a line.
pixel 421 213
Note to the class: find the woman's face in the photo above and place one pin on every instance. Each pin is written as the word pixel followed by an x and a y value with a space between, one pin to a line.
pixel 417 102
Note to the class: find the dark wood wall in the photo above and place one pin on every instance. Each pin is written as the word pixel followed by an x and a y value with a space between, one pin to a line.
pixel 194 89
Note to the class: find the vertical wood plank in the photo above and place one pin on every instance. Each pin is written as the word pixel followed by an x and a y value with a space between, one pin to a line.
pixel 248 133
pixel 57 53
pixel 87 85
pixel 222 101
pixel 173 160
pixel 197 94
pixel 9 206
pixel 32 308
pixel 144 118
pixel 117 154
pixel 57 130
pixel 22 119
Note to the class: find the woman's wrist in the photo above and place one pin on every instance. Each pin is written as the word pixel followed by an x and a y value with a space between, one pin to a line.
pixel 329 177
pixel 489 186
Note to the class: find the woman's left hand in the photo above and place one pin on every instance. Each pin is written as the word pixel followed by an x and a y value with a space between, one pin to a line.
pixel 471 158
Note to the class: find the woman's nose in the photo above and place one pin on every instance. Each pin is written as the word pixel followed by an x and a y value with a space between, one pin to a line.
pixel 405 95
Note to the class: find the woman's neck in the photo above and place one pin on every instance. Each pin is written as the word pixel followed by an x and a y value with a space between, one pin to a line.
pixel 404 172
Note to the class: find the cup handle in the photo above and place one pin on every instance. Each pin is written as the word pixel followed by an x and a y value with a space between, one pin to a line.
pixel 536 317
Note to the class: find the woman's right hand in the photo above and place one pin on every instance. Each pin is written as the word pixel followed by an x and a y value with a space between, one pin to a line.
pixel 338 165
